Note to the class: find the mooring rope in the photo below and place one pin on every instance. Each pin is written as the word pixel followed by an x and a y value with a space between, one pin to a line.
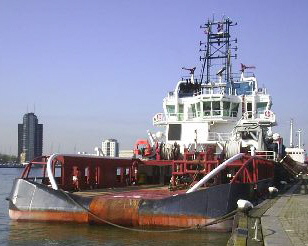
pixel 218 220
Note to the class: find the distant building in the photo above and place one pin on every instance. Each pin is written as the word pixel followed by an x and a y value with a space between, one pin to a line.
pixel 110 147
pixel 126 153
pixel 30 138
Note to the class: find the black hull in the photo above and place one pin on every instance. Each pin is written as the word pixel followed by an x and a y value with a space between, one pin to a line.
pixel 37 202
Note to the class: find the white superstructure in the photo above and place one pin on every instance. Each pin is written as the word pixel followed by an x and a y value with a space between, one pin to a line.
pixel 209 115
pixel 227 110
pixel 296 153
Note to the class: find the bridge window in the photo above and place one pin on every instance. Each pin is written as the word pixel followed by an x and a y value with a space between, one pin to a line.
pixel 261 107
pixel 181 112
pixel 193 109
pixel 234 109
pixel 171 110
pixel 206 108
pixel 198 109
pixel 226 108
pixel 216 107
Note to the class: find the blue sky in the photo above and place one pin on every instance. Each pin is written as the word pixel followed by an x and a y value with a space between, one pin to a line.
pixel 100 69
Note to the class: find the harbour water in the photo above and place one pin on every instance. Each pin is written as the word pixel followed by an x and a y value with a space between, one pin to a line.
pixel 33 233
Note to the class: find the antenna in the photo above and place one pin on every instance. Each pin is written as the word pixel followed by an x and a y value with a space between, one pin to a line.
pixel 34 108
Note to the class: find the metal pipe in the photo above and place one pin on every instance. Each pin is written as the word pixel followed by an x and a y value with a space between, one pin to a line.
pixel 50 173
pixel 214 172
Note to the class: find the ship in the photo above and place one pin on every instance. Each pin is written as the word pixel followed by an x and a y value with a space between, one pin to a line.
pixel 295 155
pixel 215 146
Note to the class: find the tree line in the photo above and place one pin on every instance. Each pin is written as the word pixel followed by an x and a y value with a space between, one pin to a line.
pixel 7 158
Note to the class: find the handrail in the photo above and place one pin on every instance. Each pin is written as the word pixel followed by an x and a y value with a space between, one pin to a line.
pixel 250 161
pixel 266 154
pixel 214 172
pixel 241 169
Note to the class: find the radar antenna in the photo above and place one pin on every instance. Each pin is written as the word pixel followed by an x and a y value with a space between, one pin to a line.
pixel 191 70
pixel 244 67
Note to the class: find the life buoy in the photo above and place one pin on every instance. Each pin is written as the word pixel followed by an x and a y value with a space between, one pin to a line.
pixel 158 117
pixel 267 113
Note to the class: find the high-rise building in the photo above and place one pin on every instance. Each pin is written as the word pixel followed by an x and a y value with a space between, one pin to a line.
pixel 110 147
pixel 30 138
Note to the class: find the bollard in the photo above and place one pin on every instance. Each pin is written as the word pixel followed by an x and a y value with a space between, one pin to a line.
pixel 273 191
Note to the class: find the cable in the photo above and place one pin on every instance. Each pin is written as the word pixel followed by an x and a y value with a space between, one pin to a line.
pixel 218 220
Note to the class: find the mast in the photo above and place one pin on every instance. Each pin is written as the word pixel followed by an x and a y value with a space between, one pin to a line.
pixel 299 137
pixel 217 47
pixel 291 134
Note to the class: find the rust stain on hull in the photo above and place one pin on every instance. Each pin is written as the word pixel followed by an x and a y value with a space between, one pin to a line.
pixel 182 221
pixel 80 217
pixel 121 211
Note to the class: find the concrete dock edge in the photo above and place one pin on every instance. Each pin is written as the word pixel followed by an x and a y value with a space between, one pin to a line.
pixel 276 229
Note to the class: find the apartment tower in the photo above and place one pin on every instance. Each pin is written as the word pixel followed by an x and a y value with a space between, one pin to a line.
pixel 30 138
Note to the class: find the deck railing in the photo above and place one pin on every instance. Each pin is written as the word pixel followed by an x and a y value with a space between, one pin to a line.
pixel 269 155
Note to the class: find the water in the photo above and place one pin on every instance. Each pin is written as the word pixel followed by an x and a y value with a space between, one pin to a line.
pixel 32 233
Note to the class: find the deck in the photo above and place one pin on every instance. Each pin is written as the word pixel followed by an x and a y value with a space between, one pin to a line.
pixel 140 192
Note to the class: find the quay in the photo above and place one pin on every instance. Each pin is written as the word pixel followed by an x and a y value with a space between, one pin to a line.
pixel 11 165
pixel 282 220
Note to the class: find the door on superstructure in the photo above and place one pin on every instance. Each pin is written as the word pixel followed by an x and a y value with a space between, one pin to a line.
pixel 249 110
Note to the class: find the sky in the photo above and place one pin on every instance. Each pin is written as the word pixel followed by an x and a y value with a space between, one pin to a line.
pixel 92 70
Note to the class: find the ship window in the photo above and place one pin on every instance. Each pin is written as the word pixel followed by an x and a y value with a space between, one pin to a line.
pixel 206 108
pixel 234 109
pixel 226 108
pixel 171 110
pixel 174 132
pixel 249 109
pixel 261 107
pixel 198 109
pixel 193 108
pixel 181 112
pixel 181 108
pixel 216 107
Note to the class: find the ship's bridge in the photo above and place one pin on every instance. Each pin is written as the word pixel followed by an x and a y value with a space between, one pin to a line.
pixel 216 102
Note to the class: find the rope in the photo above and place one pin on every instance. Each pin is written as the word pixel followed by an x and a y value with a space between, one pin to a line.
pixel 218 220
